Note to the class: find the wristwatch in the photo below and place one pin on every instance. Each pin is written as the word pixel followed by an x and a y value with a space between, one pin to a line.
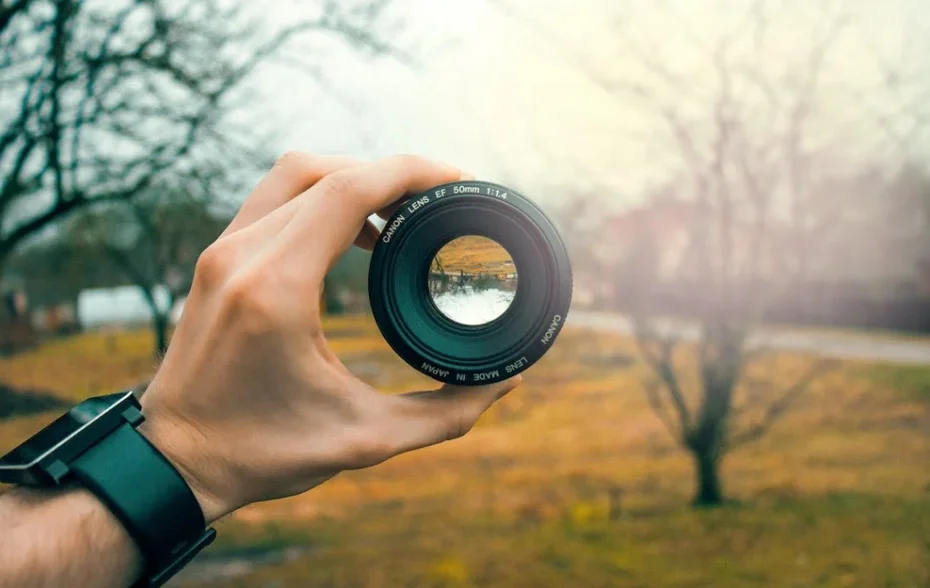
pixel 96 445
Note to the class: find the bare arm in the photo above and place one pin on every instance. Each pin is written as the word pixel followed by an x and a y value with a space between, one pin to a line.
pixel 250 404
pixel 53 538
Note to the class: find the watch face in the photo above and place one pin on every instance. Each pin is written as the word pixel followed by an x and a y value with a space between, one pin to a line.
pixel 63 427
pixel 76 427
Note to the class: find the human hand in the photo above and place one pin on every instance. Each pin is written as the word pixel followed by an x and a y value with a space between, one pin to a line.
pixel 250 403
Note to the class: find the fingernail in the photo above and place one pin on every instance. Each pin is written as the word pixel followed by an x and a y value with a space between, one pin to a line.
pixel 466 176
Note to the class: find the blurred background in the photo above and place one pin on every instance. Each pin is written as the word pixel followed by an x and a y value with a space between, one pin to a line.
pixel 741 396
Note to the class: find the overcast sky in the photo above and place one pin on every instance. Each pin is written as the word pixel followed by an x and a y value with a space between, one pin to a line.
pixel 509 89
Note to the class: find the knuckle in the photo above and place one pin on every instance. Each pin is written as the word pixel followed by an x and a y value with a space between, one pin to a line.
pixel 365 448
pixel 294 161
pixel 457 426
pixel 212 265
pixel 370 439
pixel 249 306
pixel 410 161
pixel 340 183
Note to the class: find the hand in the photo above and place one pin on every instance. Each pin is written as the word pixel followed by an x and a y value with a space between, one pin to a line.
pixel 250 403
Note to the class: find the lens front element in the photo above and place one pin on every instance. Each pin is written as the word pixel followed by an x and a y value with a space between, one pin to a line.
pixel 472 280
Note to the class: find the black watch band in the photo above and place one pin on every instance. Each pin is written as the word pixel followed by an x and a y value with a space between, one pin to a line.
pixel 149 497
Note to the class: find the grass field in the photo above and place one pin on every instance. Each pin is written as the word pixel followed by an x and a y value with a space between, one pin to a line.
pixel 571 481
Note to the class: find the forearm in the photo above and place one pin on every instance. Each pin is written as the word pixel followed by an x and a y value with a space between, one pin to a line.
pixel 63 537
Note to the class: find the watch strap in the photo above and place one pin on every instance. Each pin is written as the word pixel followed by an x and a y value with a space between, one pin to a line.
pixel 149 497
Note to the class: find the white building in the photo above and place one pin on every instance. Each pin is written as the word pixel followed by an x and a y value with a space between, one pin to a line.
pixel 120 306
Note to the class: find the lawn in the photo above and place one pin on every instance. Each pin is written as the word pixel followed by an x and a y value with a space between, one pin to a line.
pixel 571 481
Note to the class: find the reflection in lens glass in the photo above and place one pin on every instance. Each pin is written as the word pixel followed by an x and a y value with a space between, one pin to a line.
pixel 472 280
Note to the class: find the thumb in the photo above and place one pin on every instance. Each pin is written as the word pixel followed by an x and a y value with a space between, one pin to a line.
pixel 431 417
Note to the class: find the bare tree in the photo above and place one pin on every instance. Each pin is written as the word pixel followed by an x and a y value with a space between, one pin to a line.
pixel 99 98
pixel 737 226
pixel 155 239
pixel 753 216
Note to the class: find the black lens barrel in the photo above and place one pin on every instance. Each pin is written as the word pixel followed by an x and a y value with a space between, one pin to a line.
pixel 425 338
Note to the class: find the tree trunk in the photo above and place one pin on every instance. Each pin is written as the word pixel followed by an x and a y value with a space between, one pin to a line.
pixel 160 329
pixel 708 491
pixel 6 249
pixel 330 303
pixel 161 320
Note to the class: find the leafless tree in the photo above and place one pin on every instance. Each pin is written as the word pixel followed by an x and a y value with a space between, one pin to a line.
pixel 751 211
pixel 754 213
pixel 98 99
pixel 154 239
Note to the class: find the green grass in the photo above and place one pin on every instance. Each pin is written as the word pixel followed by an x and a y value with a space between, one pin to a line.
pixel 913 381
pixel 837 539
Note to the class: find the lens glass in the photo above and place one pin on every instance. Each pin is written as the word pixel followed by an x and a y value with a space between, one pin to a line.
pixel 472 280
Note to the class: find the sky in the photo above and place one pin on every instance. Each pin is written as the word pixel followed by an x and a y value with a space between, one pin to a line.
pixel 514 90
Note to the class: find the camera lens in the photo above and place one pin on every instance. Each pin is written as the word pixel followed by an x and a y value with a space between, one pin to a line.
pixel 469 282
pixel 472 280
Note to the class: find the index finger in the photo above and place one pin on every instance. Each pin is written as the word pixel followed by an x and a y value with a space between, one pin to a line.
pixel 335 209
pixel 293 173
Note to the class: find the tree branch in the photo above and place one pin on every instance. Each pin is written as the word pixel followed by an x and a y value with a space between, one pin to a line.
pixel 8 12
pixel 63 13
pixel 104 79
pixel 651 387
pixel 662 363
pixel 780 405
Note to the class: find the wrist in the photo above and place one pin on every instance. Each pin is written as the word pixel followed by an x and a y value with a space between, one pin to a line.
pixel 178 448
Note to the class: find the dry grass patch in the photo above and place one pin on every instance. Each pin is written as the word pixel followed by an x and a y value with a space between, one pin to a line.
pixel 572 481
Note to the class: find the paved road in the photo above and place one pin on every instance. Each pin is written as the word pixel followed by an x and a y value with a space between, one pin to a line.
pixel 840 345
